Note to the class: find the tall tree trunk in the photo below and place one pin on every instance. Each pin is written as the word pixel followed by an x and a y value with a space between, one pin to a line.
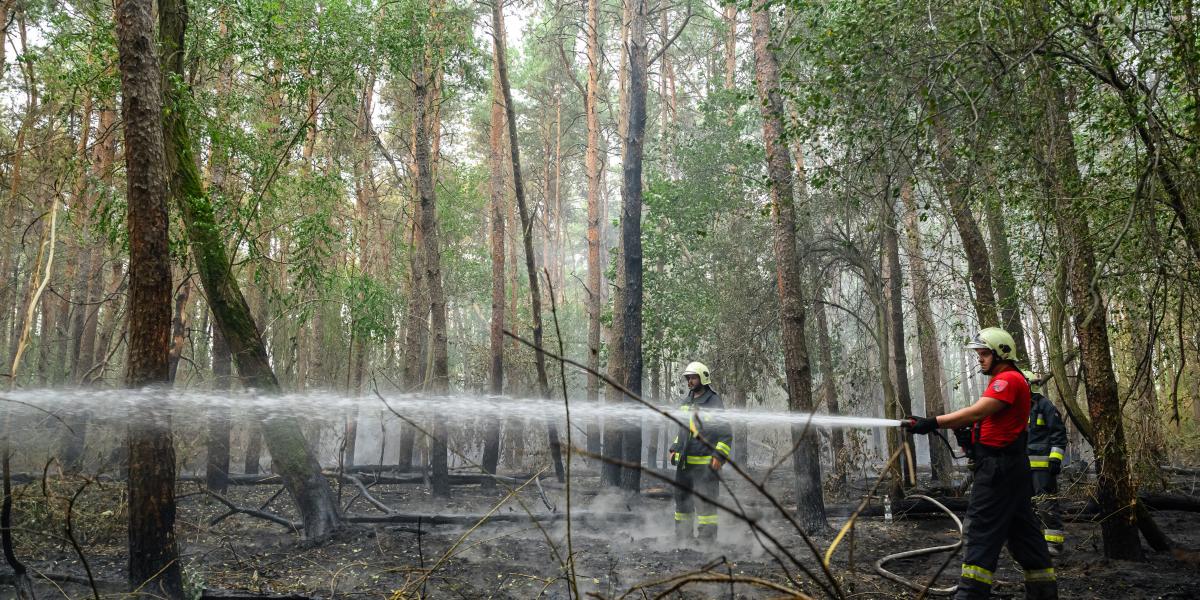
pixel 941 465
pixel 893 286
pixel 1064 186
pixel 527 234
pixel 978 264
pixel 631 237
pixel 416 336
pixel 1004 276
pixel 595 172
pixel 730 45
pixel 829 387
pixel 432 262
pixel 292 457
pixel 806 464
pixel 365 205
pixel 491 444
pixel 153 555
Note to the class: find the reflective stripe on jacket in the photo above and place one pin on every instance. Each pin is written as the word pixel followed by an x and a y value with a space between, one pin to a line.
pixel 702 419
pixel 1047 433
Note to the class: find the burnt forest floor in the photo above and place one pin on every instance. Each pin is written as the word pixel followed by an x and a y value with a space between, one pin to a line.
pixel 622 546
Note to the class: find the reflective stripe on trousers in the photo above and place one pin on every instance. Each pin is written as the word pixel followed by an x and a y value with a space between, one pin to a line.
pixel 977 573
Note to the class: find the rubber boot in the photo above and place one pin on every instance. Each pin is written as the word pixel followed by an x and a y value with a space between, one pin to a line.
pixel 1041 590
pixel 683 531
pixel 707 533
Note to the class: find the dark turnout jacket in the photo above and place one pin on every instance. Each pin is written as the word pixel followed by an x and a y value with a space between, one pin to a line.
pixel 1047 433
pixel 702 420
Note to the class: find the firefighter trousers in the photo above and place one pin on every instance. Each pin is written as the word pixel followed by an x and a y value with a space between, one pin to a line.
pixel 1045 499
pixel 1000 513
pixel 689 508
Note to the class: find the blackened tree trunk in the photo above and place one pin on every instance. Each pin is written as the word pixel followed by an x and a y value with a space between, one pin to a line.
pixel 217 463
pixel 810 504
pixel 927 339
pixel 153 555
pixel 631 238
pixel 491 443
pixel 292 457
pixel 526 232
pixel 432 263
pixel 1063 185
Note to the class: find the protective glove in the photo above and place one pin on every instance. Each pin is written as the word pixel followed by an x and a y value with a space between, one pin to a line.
pixel 920 425
pixel 1055 467
pixel 716 463
pixel 674 458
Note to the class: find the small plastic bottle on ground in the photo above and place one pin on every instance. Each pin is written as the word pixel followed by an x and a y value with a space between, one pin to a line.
pixel 887 508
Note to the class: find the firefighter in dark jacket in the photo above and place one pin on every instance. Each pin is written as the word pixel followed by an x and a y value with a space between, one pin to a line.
pixel 698 452
pixel 1000 510
pixel 1047 445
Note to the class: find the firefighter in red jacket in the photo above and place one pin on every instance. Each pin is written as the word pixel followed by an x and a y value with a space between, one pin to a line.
pixel 1000 510
pixel 698 452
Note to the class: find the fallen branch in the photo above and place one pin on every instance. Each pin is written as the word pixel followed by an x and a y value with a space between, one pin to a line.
pixel 471 519
pixel 365 494
pixel 235 509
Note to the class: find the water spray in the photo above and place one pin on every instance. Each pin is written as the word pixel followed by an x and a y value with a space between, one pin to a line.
pixel 120 404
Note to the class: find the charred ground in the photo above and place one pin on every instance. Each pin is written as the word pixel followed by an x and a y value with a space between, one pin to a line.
pixel 623 546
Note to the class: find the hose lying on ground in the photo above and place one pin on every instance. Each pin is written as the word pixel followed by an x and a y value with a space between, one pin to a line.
pixel 921 552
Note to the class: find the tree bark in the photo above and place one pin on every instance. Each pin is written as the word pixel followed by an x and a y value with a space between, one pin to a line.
pixel 491 444
pixel 829 387
pixel 1004 276
pixel 179 325
pixel 893 291
pixel 631 237
pixel 153 555
pixel 1064 186
pixel 595 173
pixel 810 504
pixel 978 264
pixel 527 233
pixel 293 459
pixel 941 465
pixel 432 263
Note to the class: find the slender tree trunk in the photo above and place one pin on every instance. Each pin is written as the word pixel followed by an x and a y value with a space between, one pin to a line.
pixel 1004 275
pixel 976 250
pixel 433 277
pixel 595 172
pixel 292 458
pixel 179 326
pixel 731 11
pixel 491 444
pixel 893 293
pixel 153 556
pixel 527 234
pixel 829 386
pixel 631 236
pixel 806 464
pixel 417 328
pixel 940 462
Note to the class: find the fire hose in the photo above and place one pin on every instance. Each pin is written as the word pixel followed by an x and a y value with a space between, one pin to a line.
pixel 922 552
